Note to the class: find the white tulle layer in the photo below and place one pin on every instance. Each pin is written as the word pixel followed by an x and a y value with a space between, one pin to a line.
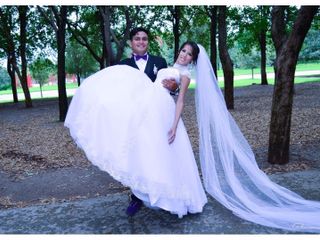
pixel 230 172
pixel 121 119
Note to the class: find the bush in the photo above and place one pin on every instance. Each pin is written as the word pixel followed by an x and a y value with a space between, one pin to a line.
pixel 5 81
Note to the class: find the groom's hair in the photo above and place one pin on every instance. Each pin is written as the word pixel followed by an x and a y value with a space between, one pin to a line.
pixel 134 31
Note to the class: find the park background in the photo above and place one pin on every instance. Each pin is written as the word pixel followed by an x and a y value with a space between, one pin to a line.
pixel 248 39
pixel 48 185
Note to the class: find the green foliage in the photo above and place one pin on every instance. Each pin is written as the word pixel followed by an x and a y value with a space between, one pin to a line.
pixel 244 25
pixel 200 30
pixel 251 57
pixel 86 23
pixel 41 69
pixel 245 60
pixel 152 18
pixel 9 29
pixel 5 80
pixel 248 23
pixel 311 49
pixel 79 61
pixel 41 39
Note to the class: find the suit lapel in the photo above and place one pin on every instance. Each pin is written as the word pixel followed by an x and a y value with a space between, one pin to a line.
pixel 148 70
pixel 133 63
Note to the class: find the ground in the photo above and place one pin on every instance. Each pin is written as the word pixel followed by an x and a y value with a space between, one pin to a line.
pixel 40 163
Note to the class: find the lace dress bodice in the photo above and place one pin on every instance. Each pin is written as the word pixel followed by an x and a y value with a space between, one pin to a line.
pixel 175 72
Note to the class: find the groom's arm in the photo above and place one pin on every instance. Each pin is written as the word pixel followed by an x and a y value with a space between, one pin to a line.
pixel 169 84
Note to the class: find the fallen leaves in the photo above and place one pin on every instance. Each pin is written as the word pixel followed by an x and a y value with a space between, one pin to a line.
pixel 33 140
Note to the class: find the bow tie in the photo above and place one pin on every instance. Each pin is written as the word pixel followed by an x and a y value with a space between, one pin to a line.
pixel 144 57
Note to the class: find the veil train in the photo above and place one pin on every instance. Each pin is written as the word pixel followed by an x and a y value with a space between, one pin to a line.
pixel 230 172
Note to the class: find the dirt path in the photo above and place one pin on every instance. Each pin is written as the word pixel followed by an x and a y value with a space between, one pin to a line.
pixel 39 161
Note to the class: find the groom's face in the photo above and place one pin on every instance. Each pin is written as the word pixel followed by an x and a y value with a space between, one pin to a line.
pixel 139 43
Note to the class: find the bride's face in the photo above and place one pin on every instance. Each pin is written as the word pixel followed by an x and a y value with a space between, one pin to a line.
pixel 185 55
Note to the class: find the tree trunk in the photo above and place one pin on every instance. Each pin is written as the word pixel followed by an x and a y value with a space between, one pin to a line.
pixel 225 59
pixel 264 13
pixel 213 34
pixel 122 43
pixel 23 40
pixel 287 49
pixel 176 33
pixel 105 15
pixel 263 43
pixel 82 40
pixel 61 35
pixel 58 21
pixel 41 89
pixel 12 75
pixel 78 80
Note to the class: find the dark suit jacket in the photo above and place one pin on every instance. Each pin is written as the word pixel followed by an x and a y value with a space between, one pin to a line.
pixel 154 64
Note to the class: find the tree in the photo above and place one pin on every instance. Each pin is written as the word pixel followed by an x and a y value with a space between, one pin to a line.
pixel 86 29
pixel 262 36
pixel 79 61
pixel 180 17
pixel 176 15
pixel 110 35
pixel 204 19
pixel 7 44
pixel 57 18
pixel 40 70
pixel 310 50
pixel 11 20
pixel 212 13
pixel 23 41
pixel 253 28
pixel 104 30
pixel 287 45
pixel 225 59
pixel 4 79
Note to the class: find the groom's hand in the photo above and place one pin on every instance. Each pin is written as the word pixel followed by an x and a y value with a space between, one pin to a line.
pixel 170 84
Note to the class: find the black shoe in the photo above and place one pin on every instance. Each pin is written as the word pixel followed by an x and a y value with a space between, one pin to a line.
pixel 134 205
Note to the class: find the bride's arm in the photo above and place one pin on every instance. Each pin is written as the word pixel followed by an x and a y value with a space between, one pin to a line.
pixel 185 81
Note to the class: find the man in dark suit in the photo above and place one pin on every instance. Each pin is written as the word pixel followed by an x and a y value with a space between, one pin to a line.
pixel 145 62
pixel 150 65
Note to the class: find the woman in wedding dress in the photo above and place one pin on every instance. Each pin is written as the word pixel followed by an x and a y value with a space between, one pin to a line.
pixel 131 128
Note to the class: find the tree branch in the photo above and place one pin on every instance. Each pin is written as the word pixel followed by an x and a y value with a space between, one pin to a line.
pixel 49 19
pixel 82 40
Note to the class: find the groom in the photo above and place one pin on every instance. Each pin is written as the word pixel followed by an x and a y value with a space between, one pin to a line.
pixel 150 65
pixel 145 62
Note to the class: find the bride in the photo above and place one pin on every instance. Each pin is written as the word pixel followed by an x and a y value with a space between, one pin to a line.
pixel 132 128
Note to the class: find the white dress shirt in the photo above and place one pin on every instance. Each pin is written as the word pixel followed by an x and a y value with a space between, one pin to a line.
pixel 141 63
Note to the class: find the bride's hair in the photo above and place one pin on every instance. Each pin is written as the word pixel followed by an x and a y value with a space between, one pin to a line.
pixel 195 50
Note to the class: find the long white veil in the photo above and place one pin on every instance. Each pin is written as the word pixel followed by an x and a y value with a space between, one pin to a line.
pixel 230 172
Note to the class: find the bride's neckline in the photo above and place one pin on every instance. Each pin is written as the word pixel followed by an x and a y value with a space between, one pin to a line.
pixel 179 66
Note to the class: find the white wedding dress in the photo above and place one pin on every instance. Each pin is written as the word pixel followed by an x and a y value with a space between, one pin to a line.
pixel 121 120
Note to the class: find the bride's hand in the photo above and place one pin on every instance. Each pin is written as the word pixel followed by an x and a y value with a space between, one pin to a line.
pixel 171 135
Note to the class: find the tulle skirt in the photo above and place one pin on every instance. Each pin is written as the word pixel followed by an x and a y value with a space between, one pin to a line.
pixel 121 120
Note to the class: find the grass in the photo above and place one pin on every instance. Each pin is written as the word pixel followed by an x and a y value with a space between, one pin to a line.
pixel 248 82
pixel 237 83
pixel 37 89
pixel 300 67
